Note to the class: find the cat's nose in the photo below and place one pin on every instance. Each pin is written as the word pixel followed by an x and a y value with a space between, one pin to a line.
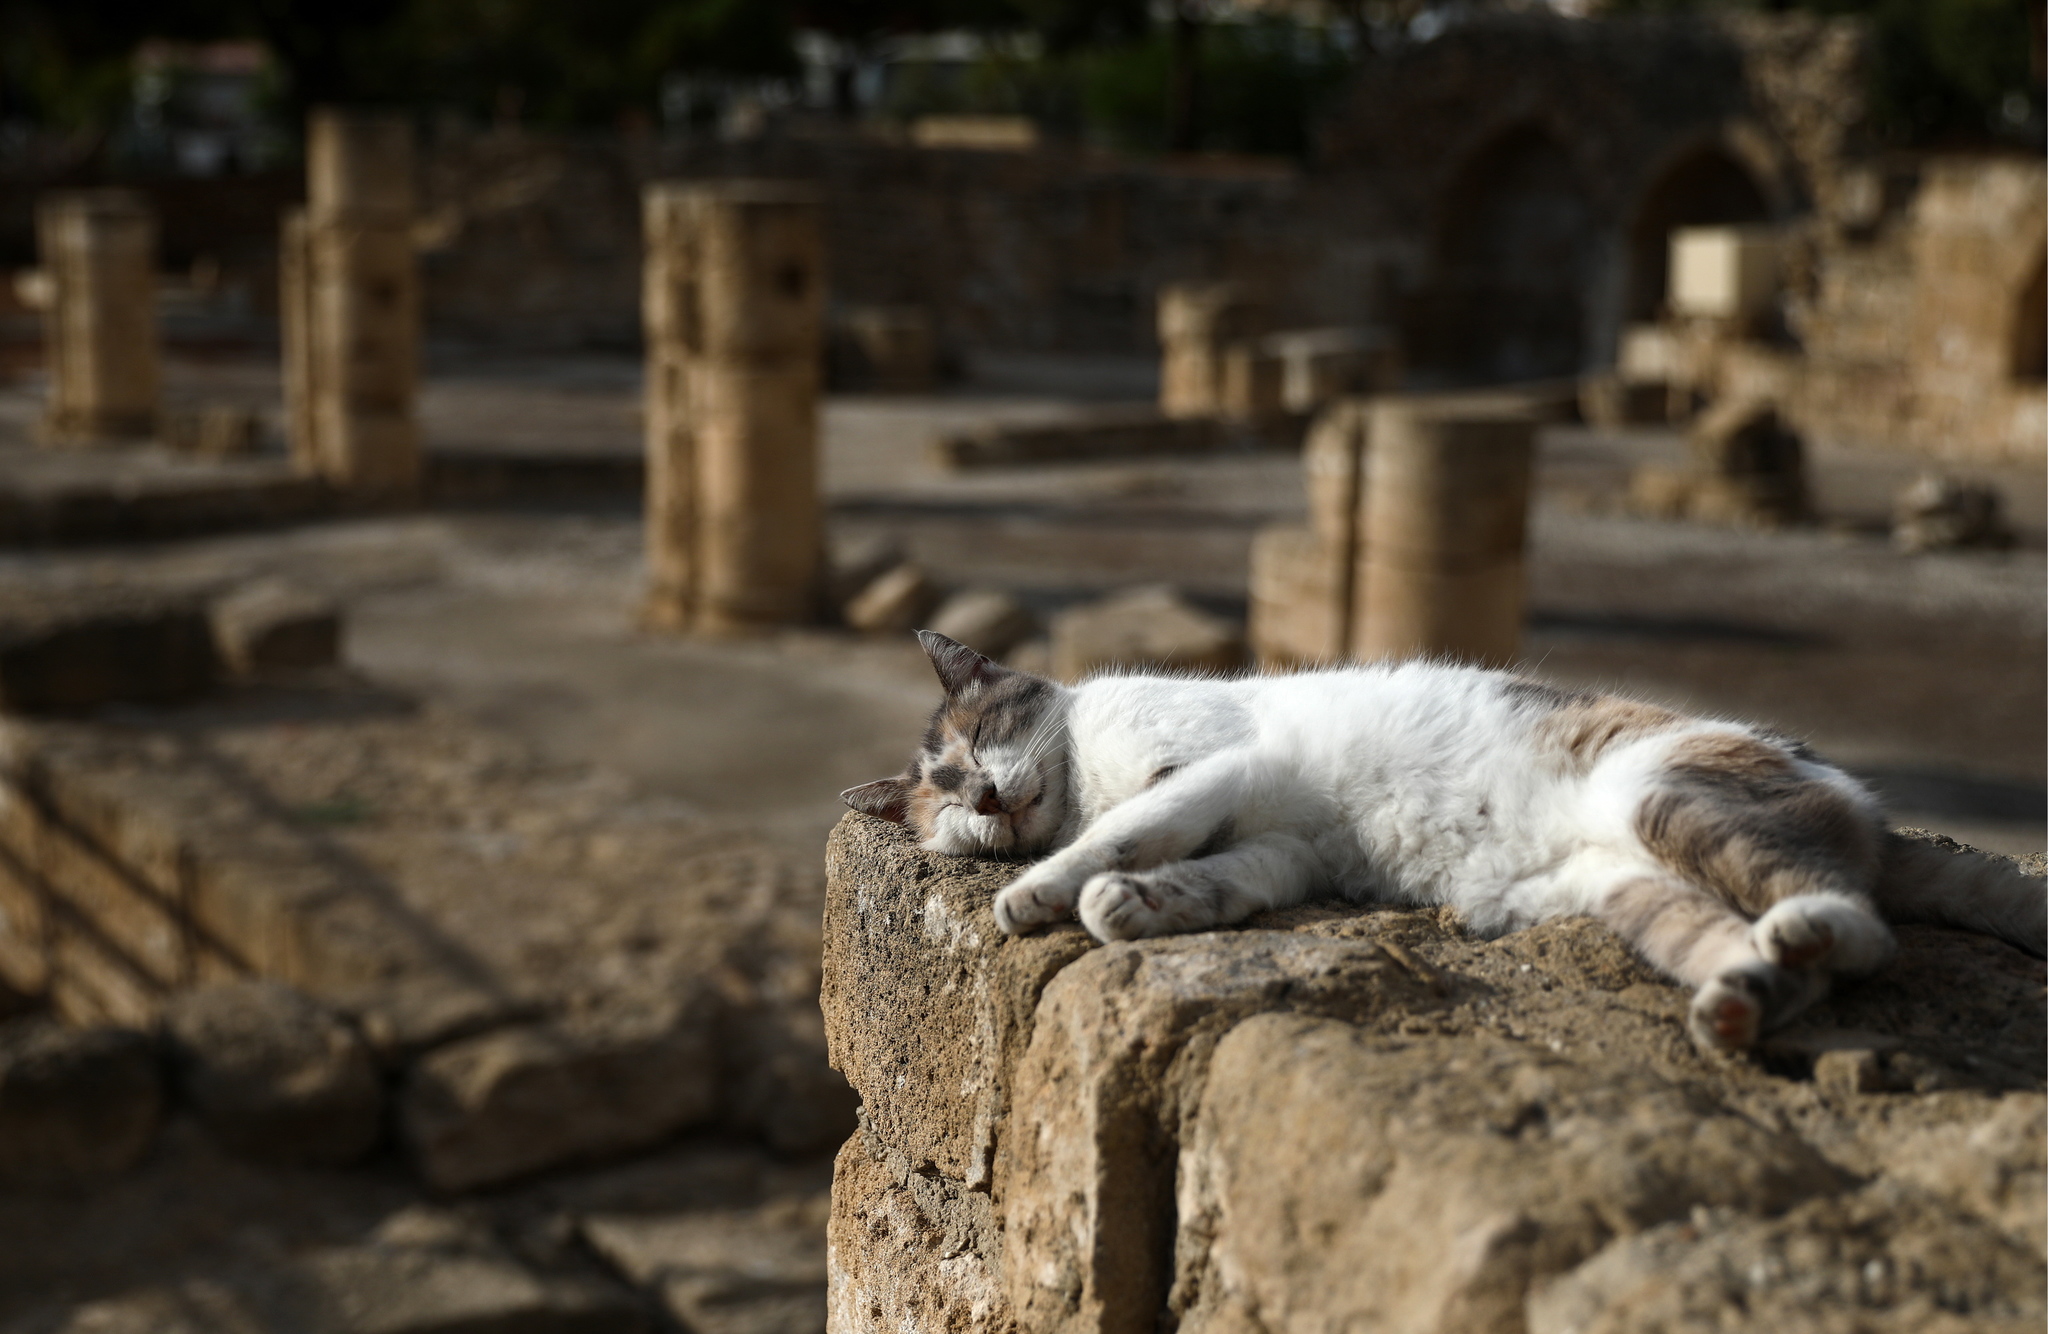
pixel 989 803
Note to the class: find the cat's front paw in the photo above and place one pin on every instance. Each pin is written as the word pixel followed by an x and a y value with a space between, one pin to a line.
pixel 1121 905
pixel 1727 1013
pixel 1034 900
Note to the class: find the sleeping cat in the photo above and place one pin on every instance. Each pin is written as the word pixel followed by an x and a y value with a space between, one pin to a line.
pixel 1728 855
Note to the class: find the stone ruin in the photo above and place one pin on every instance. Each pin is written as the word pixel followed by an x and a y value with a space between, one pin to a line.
pixel 1339 1117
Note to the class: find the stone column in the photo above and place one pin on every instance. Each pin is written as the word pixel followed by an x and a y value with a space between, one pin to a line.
pixel 1445 517
pixel 350 308
pixel 1302 578
pixel 99 249
pixel 734 308
pixel 1198 322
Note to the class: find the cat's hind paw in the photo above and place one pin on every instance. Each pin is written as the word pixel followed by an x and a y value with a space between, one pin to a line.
pixel 1822 931
pixel 1727 1013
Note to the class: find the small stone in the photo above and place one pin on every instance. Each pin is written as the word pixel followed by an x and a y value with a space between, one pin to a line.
pixel 272 626
pixel 1151 628
pixel 514 1101
pixel 987 621
pixel 274 1075
pixel 1940 513
pixel 895 602
pixel 75 1103
pixel 1848 1072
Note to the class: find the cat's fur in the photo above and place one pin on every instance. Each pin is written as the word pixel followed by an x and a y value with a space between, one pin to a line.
pixel 1729 856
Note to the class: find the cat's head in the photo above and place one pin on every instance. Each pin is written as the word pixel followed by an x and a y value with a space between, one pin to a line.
pixel 990 777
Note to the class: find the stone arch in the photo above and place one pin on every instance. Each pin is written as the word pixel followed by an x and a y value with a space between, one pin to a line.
pixel 1514 251
pixel 1702 186
pixel 2030 324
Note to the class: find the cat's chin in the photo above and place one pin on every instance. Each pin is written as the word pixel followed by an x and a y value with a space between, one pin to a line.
pixel 959 834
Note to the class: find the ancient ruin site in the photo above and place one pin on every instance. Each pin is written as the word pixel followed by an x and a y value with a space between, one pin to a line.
pixel 469 481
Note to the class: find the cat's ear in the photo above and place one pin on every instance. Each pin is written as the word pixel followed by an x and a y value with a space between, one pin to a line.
pixel 958 666
pixel 885 798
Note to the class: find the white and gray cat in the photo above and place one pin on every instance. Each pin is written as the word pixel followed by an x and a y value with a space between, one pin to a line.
pixel 1728 855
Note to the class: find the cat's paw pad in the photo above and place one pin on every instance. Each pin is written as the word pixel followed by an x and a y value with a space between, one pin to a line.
pixel 1793 939
pixel 1029 904
pixel 1727 1014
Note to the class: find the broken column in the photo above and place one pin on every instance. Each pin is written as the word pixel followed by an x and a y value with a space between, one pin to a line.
pixel 99 249
pixel 1198 325
pixel 1302 576
pixel 1444 519
pixel 734 307
pixel 351 308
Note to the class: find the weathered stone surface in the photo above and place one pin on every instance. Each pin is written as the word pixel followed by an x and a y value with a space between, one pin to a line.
pixel 1439 1177
pixel 74 648
pixel 926 1005
pixel 1339 1115
pixel 751 1271
pixel 271 626
pixel 1151 627
pixel 507 1103
pixel 1882 1259
pixel 911 1249
pixel 75 1103
pixel 988 621
pixel 275 1075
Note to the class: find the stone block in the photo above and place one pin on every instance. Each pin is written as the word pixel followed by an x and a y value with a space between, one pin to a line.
pixel 911 1249
pixel 274 1075
pixel 272 626
pixel 725 1271
pixel 91 982
pixel 24 926
pixel 898 600
pixel 511 1102
pixel 1300 599
pixel 1151 628
pixel 1320 366
pixel 1197 321
pixel 1253 383
pixel 1727 273
pixel 1342 1180
pixel 988 621
pixel 120 911
pixel 77 648
pixel 215 431
pixel 1333 470
pixel 926 1004
pixel 75 1103
pixel 99 249
pixel 1115 1065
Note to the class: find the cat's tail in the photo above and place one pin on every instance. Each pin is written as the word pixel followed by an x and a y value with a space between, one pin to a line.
pixel 1932 879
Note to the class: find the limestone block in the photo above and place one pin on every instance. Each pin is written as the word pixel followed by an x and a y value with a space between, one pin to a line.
pixel 76 648
pixel 1341 1179
pixel 1116 1063
pixel 989 621
pixel 898 600
pixel 75 1103
pixel 272 626
pixel 926 1004
pixel 1650 354
pixel 1446 501
pixel 725 1271
pixel 1728 273
pixel 1900 1261
pixel 99 250
pixel 1196 322
pixel 274 1075
pixel 911 1249
pixel 1152 627
pixel 1253 382
pixel 511 1102
pixel 1333 470
pixel 1300 599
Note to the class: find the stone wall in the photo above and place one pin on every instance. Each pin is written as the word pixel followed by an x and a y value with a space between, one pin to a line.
pixel 1337 1118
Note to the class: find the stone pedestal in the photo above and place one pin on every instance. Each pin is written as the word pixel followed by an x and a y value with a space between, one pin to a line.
pixel 99 249
pixel 1198 324
pixel 1445 518
pixel 734 303
pixel 1302 578
pixel 350 306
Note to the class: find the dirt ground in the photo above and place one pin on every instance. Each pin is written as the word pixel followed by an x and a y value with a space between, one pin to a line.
pixel 1922 673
